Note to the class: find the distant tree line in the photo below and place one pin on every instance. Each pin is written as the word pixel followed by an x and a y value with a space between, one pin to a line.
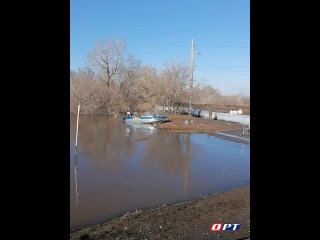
pixel 113 81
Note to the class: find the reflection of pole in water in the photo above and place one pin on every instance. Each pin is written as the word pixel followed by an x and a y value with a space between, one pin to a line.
pixel 186 165
pixel 75 177
pixel 241 148
pixel 244 150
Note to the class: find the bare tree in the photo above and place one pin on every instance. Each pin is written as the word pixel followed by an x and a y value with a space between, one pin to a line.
pixel 206 94
pixel 108 59
pixel 115 81
pixel 236 100
pixel 129 78
pixel 174 78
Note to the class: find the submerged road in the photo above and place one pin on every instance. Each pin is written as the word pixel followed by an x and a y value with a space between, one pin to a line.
pixel 234 135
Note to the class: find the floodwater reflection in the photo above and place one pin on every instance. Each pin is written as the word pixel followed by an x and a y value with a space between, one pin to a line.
pixel 123 167
pixel 186 165
pixel 75 178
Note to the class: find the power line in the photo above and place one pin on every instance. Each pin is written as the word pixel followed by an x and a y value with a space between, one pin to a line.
pixel 219 79
pixel 222 77
pixel 222 46
pixel 216 66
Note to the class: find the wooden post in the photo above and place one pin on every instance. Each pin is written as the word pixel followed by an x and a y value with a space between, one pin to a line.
pixel 76 146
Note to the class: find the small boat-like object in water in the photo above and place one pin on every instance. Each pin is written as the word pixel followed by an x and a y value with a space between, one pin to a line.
pixel 146 118
pixel 139 129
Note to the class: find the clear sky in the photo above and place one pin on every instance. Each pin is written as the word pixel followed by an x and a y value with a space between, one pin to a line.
pixel 160 31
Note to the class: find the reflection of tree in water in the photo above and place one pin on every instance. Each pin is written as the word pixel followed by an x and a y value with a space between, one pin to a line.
pixel 165 151
pixel 170 152
pixel 102 140
pixel 105 143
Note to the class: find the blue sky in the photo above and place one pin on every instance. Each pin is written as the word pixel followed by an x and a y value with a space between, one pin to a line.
pixel 159 32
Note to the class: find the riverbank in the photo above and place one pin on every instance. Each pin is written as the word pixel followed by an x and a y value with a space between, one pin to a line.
pixel 188 220
pixel 189 124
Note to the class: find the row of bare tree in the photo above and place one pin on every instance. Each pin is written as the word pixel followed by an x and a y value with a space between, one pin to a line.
pixel 115 81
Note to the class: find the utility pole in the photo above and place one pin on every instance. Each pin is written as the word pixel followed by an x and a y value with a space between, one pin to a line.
pixel 191 76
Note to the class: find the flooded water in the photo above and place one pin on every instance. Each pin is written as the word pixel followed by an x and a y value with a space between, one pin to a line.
pixel 122 168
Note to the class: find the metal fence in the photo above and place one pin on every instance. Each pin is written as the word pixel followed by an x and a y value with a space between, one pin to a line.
pixel 239 118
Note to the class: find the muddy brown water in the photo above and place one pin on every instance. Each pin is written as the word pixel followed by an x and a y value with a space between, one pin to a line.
pixel 121 168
